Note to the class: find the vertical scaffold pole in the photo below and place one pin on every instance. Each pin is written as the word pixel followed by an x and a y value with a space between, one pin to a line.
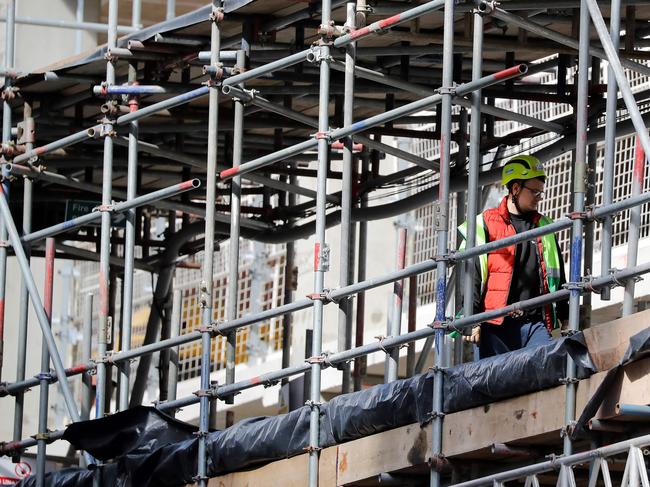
pixel 345 305
pixel 207 283
pixel 124 370
pixel 638 176
pixel 580 171
pixel 235 218
pixel 6 138
pixel 610 148
pixel 395 320
pixel 105 236
pixel 177 313
pixel 321 251
pixel 44 376
pixel 360 362
pixel 474 164
pixel 86 351
pixel 441 226
pixel 171 9
pixel 621 80
pixel 23 304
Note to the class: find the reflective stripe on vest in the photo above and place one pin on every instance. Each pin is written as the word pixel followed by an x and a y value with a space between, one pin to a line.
pixel 481 239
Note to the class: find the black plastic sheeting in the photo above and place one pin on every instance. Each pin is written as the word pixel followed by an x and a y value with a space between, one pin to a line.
pixel 153 449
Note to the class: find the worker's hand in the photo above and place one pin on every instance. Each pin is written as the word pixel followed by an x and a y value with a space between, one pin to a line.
pixel 475 337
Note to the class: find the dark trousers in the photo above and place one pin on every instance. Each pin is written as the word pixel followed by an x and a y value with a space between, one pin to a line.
pixel 512 334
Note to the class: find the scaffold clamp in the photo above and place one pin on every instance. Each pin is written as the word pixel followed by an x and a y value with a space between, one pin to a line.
pixel 311 449
pixel 568 380
pixel 9 93
pixel 440 324
pixel 568 429
pixel 109 208
pixel 381 339
pixel 322 359
pixel 204 392
pixel 449 257
pixel 485 7
pixel 198 478
pixel 3 389
pixel 42 437
pixel 313 404
pixel 440 217
pixel 447 90
pixel 217 15
pixel 107 358
pixel 330 30
pixel 325 296
pixel 4 244
pixel 433 415
pixel 46 376
pixel 587 215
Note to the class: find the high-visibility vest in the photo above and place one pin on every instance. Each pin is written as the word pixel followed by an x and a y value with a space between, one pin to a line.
pixel 497 266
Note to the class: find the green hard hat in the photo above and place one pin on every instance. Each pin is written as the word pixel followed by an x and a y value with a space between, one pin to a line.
pixel 522 167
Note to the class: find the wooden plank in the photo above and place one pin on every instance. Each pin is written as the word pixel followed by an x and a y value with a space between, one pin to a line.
pixel 383 452
pixel 608 342
pixel 291 472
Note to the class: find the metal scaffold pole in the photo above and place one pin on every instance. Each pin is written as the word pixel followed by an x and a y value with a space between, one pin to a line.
pixel 235 216
pixel 610 146
pixel 44 376
pixel 474 163
pixel 345 305
pixel 441 226
pixel 86 352
pixel 124 371
pixel 395 319
pixel 105 325
pixel 634 230
pixel 579 175
pixel 360 363
pixel 6 139
pixel 177 313
pixel 23 304
pixel 207 281
pixel 321 250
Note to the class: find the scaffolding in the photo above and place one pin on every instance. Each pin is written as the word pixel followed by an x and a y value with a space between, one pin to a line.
pixel 282 80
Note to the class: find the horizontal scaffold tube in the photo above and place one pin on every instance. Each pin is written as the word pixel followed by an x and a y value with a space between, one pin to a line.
pixel 397 341
pixel 415 269
pixel 116 208
pixel 387 23
pixel 405 110
pixel 557 462
pixel 347 355
pixel 172 102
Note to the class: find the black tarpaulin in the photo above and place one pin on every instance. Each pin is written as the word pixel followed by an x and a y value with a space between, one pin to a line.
pixel 149 456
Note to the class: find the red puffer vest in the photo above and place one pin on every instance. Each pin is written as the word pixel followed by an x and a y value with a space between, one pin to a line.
pixel 501 261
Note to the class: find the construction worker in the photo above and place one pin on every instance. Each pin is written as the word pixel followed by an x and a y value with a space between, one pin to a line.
pixel 518 272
